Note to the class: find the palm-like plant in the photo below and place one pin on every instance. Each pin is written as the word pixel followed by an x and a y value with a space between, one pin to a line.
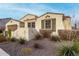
pixel 69 50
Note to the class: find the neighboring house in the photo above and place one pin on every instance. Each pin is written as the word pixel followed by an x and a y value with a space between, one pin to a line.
pixel 29 25
pixel 3 22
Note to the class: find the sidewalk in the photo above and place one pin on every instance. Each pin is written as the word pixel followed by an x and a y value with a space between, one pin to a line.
pixel 3 53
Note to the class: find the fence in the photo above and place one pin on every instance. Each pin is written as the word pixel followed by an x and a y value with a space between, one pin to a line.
pixel 69 34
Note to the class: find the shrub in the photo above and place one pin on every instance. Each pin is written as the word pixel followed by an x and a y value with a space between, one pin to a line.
pixel 69 35
pixel 26 51
pixel 37 46
pixel 55 38
pixel 76 47
pixel 2 38
pixel 13 39
pixel 69 50
pixel 22 41
pixel 38 36
pixel 9 33
pixel 46 33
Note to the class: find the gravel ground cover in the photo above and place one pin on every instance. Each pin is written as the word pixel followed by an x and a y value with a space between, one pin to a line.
pixel 14 48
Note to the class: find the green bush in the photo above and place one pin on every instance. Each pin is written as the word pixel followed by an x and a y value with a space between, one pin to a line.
pixel 22 41
pixel 38 36
pixel 69 50
pixel 76 47
pixel 13 39
pixel 9 33
pixel 54 38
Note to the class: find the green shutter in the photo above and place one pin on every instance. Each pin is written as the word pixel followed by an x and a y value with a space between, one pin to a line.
pixel 42 24
pixel 53 24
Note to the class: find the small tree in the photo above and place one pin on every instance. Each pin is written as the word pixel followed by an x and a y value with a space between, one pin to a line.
pixel 9 33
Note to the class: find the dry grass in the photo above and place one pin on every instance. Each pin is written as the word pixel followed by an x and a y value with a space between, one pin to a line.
pixel 26 51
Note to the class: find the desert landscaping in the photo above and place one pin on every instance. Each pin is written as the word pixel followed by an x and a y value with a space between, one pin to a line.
pixel 47 34
pixel 41 46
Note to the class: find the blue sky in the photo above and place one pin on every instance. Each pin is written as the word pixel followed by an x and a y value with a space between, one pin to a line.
pixel 18 10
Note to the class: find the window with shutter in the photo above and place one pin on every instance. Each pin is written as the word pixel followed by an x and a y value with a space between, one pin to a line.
pixel 48 24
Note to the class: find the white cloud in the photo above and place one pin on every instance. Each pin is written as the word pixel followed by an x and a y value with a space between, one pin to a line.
pixel 38 9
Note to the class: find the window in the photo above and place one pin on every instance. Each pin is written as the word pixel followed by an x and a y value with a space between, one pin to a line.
pixel 31 25
pixel 22 24
pixel 48 24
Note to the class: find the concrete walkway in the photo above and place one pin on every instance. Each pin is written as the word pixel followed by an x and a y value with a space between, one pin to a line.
pixel 3 53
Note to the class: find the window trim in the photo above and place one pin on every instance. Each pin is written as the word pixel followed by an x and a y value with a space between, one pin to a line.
pixel 46 24
pixel 32 24
pixel 22 25
pixel 43 27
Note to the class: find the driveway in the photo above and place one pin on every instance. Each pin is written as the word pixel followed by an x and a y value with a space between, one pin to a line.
pixel 3 53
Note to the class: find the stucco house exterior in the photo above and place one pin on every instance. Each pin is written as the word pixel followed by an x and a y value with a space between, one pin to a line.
pixel 53 22
pixel 14 25
pixel 30 25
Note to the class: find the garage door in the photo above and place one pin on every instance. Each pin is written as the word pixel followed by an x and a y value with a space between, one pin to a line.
pixel 12 27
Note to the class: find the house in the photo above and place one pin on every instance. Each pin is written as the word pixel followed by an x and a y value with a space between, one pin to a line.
pixel 53 22
pixel 14 25
pixel 30 25
pixel 3 22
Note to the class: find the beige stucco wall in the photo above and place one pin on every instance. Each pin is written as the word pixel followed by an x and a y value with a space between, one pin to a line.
pixel 19 33
pixel 26 33
pixel 59 22
pixel 32 32
pixel 67 24
pixel 29 32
